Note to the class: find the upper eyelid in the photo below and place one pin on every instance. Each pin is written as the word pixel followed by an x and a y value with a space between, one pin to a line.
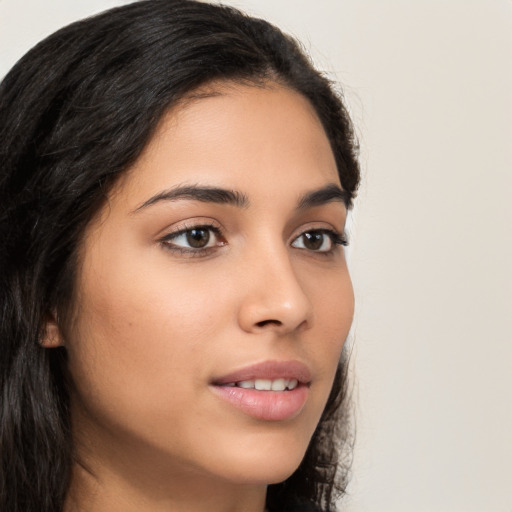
pixel 316 226
pixel 328 231
pixel 183 226
pixel 214 227
pixel 182 231
pixel 167 241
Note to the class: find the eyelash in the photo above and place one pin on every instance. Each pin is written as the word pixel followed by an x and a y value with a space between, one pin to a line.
pixel 167 241
pixel 336 238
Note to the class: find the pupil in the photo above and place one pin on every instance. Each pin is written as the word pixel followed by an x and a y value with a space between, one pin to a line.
pixel 313 241
pixel 198 238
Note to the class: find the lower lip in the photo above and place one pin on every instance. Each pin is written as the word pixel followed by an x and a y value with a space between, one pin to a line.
pixel 265 405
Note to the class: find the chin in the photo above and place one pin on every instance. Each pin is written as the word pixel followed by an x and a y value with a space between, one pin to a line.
pixel 263 461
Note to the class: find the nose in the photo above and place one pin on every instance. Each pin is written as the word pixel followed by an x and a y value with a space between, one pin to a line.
pixel 273 298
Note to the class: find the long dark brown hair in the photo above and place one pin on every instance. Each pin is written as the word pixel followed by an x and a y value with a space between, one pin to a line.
pixel 75 112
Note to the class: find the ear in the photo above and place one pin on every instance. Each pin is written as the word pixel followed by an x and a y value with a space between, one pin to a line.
pixel 52 335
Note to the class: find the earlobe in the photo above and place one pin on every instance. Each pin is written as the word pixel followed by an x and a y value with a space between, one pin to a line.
pixel 52 336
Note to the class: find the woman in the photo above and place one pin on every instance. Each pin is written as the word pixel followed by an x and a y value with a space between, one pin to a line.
pixel 175 178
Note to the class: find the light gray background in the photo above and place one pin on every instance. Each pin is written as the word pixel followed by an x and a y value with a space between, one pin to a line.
pixel 429 84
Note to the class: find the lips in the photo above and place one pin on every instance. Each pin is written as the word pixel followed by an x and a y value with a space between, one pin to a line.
pixel 269 370
pixel 270 391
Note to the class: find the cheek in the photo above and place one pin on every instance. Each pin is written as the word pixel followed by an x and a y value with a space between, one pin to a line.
pixel 332 296
pixel 334 311
pixel 139 335
pixel 339 311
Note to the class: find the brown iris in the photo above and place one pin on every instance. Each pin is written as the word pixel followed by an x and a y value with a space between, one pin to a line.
pixel 198 237
pixel 313 241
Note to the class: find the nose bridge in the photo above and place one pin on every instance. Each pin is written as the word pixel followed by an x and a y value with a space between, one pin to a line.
pixel 273 297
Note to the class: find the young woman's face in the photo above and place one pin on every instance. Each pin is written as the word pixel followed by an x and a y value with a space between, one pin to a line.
pixel 217 266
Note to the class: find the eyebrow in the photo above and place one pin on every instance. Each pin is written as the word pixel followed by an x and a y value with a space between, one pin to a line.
pixel 327 194
pixel 199 193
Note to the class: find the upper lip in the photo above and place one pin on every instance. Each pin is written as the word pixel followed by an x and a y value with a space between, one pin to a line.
pixel 268 370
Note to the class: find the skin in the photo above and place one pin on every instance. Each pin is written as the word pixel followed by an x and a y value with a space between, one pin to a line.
pixel 154 324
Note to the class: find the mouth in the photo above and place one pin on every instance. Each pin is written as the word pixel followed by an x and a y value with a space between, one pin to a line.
pixel 280 384
pixel 269 391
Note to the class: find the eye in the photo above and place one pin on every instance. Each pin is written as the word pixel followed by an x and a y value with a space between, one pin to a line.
pixel 194 239
pixel 319 240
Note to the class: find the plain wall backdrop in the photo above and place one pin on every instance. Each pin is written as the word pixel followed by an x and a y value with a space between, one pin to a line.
pixel 429 84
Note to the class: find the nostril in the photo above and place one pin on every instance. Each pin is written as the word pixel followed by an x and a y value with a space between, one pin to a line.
pixel 264 323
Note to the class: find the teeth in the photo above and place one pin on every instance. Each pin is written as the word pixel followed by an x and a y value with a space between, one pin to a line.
pixel 292 384
pixel 263 384
pixel 278 385
pixel 267 384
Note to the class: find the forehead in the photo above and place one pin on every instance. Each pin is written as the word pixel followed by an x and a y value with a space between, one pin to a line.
pixel 255 139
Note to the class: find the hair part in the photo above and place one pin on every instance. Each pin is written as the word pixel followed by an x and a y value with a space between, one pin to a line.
pixel 75 113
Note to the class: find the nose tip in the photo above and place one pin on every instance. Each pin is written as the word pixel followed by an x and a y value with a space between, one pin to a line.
pixel 275 301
